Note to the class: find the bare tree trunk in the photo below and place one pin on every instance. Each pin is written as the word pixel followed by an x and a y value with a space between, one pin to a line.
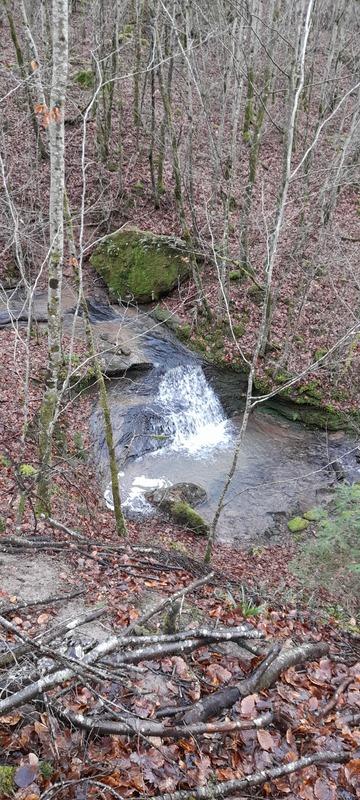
pixel 119 517
pixel 22 70
pixel 106 67
pixel 138 12
pixel 57 190
pixel 298 76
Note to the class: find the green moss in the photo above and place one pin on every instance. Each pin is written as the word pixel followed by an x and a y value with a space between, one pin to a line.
pixel 127 33
pixel 84 78
pixel 184 332
pixel 2 525
pixel 239 329
pixel 256 294
pixel 300 409
pixel 320 353
pixel 7 786
pixel 139 265
pixel 167 317
pixel 315 514
pixel 297 524
pixel 235 275
pixel 311 390
pixel 282 377
pixel 46 770
pixel 185 515
pixel 262 385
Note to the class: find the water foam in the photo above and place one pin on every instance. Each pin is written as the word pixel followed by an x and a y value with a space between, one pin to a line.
pixel 136 500
pixel 191 415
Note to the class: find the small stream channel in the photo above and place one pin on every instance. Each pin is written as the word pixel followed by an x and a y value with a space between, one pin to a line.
pixel 178 422
pixel 175 419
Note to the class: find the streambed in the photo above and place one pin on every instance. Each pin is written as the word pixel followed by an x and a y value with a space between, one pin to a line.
pixel 170 426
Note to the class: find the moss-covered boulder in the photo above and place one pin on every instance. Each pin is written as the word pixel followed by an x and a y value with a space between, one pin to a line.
pixel 183 514
pixel 139 265
pixel 175 501
pixel 297 524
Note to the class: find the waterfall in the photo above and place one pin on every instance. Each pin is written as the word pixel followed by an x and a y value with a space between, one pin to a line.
pixel 186 412
pixel 189 412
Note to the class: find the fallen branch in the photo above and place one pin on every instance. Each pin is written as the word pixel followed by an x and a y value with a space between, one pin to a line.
pixel 48 636
pixel 54 678
pixel 255 779
pixel 262 678
pixel 135 726
pixel 59 525
pixel 332 703
pixel 168 600
pixel 12 607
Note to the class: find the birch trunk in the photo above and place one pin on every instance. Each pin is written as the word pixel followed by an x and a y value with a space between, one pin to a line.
pixel 57 190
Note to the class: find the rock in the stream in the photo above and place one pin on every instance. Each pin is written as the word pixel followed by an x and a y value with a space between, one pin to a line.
pixel 116 356
pixel 175 501
pixel 140 266
pixel 186 492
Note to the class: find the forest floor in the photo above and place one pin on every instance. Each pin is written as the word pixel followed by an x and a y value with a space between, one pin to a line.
pixel 253 588
pixel 315 703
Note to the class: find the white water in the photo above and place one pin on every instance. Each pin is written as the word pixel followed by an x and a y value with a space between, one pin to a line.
pixel 190 415
pixel 136 500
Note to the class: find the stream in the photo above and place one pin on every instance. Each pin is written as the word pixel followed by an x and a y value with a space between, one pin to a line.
pixel 176 418
pixel 178 422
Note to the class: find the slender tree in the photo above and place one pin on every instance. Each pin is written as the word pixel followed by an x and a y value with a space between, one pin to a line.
pixel 56 256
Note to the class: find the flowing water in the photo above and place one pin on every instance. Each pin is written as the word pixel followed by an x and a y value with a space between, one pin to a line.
pixel 190 415
pixel 185 436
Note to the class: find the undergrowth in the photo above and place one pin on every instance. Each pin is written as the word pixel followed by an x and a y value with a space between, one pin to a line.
pixel 332 557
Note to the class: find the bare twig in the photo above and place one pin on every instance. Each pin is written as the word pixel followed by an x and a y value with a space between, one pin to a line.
pixel 332 703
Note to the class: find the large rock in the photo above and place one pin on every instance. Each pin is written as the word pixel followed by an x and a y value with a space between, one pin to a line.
pixel 175 501
pixel 186 492
pixel 139 265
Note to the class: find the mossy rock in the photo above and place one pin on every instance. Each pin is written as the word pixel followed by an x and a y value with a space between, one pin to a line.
pixel 175 501
pixel 7 785
pixel 300 410
pixel 182 513
pixel 315 514
pixel 139 265
pixel 297 524
pixel 167 318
